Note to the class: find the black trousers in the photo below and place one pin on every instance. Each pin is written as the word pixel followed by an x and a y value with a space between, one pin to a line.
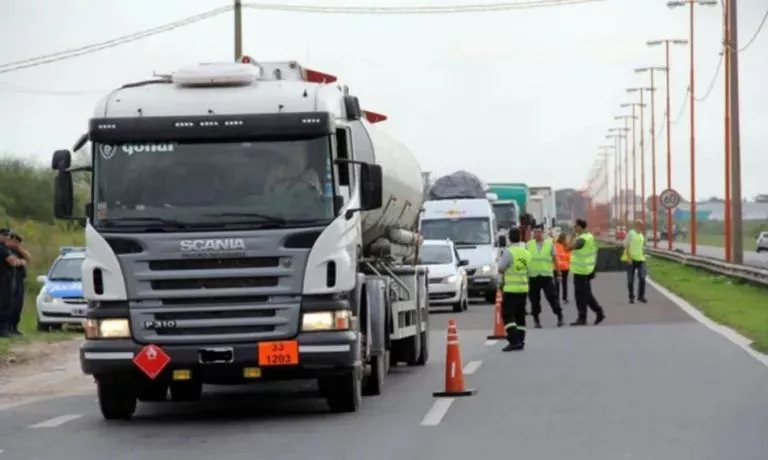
pixel 17 305
pixel 636 267
pixel 536 285
pixel 513 315
pixel 582 291
pixel 6 306
pixel 562 287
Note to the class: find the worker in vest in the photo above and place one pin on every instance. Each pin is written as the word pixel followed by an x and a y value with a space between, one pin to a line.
pixel 634 257
pixel 513 266
pixel 542 274
pixel 583 261
pixel 563 265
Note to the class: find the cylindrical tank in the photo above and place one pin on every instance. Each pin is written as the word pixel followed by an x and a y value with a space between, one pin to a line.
pixel 403 187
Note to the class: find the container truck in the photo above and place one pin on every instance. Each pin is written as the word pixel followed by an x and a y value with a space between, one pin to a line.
pixel 511 206
pixel 247 223
pixel 548 207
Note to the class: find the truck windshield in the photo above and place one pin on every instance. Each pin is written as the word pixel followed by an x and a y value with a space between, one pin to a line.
pixel 460 231
pixel 209 184
pixel 505 214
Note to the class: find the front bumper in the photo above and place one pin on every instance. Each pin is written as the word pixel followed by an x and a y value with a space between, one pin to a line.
pixel 60 313
pixel 320 354
pixel 444 294
pixel 482 284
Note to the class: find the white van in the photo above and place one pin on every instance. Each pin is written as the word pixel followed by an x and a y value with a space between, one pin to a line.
pixel 471 225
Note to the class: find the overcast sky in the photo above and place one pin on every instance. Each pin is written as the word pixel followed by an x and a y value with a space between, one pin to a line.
pixel 518 96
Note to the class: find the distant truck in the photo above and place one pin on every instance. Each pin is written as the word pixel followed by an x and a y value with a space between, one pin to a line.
pixel 511 206
pixel 545 207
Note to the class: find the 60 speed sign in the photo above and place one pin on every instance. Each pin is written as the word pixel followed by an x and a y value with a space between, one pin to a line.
pixel 669 198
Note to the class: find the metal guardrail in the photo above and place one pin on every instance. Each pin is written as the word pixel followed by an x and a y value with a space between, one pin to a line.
pixel 748 273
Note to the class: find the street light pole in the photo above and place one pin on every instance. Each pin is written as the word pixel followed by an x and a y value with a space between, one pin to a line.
pixel 625 191
pixel 728 217
pixel 738 233
pixel 654 190
pixel 634 106
pixel 642 92
pixel 668 127
pixel 616 203
pixel 692 105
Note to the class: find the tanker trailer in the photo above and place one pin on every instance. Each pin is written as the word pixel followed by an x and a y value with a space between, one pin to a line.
pixel 248 224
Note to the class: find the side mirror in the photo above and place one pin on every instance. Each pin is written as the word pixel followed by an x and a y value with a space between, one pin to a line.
pixel 42 279
pixel 463 263
pixel 501 242
pixel 63 198
pixel 371 186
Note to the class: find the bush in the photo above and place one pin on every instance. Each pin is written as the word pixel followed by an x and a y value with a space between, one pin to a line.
pixel 26 206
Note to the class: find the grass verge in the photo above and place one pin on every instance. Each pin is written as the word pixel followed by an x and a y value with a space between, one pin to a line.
pixel 733 303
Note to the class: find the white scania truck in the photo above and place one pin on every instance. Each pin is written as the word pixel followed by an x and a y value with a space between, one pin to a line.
pixel 246 223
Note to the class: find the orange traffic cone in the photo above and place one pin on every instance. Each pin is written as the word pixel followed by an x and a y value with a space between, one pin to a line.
pixel 454 373
pixel 498 322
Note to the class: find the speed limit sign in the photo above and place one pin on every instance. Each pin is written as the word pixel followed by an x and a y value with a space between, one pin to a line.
pixel 669 198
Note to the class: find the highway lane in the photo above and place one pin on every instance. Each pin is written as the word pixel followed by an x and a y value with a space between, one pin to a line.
pixel 649 383
pixel 750 257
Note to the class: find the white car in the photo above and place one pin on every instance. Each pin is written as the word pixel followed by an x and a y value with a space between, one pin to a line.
pixel 762 242
pixel 60 301
pixel 447 277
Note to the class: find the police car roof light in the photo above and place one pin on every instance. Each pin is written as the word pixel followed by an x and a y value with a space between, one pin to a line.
pixel 68 249
pixel 373 117
pixel 217 74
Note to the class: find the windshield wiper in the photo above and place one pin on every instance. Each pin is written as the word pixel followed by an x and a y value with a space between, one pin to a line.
pixel 267 217
pixel 64 279
pixel 152 220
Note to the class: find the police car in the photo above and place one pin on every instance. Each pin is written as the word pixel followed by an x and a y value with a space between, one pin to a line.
pixel 60 301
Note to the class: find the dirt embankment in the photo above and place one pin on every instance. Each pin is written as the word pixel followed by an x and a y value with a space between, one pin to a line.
pixel 39 370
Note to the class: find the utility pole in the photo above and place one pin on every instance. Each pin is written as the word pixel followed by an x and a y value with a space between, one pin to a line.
pixel 668 128
pixel 625 129
pixel 733 51
pixel 654 190
pixel 634 106
pixel 238 30
pixel 692 108
pixel 728 214
pixel 616 203
pixel 642 92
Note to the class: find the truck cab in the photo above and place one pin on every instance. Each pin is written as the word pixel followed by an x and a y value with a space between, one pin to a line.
pixel 471 225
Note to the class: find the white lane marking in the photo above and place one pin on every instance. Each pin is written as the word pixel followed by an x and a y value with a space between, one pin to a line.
pixel 726 332
pixel 491 342
pixel 437 412
pixel 57 421
pixel 472 367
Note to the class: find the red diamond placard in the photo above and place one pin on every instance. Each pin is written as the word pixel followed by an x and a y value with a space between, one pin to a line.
pixel 152 360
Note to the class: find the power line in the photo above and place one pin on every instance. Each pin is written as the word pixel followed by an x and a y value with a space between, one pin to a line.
pixel 757 32
pixel 713 81
pixel 403 10
pixel 75 52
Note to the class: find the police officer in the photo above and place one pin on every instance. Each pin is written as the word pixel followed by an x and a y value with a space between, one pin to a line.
pixel 8 262
pixel 542 272
pixel 513 266
pixel 583 261
pixel 634 257
pixel 17 286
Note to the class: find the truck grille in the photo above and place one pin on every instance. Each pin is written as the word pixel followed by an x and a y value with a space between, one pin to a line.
pixel 214 300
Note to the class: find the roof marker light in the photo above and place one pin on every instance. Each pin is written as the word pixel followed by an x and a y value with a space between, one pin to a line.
pixel 315 76
pixel 373 117
pixel 219 74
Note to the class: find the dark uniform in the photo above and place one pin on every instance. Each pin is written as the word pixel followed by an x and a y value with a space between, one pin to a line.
pixel 541 271
pixel 17 290
pixel 514 267
pixel 6 291
pixel 583 261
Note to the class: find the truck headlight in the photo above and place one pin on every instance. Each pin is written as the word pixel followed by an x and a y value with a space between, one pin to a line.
pixel 112 328
pixel 325 321
pixel 450 279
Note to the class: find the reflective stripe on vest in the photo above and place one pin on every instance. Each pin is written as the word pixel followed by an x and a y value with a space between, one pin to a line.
pixel 583 260
pixel 516 275
pixel 541 260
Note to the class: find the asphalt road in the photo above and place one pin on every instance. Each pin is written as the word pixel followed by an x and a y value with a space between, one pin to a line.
pixel 750 257
pixel 648 384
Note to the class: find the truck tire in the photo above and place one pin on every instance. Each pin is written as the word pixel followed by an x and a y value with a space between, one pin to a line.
pixel 344 393
pixel 374 383
pixel 153 392
pixel 116 401
pixel 424 355
pixel 186 391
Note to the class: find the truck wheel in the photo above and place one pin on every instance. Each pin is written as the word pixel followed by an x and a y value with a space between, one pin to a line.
pixel 344 392
pixel 116 401
pixel 153 392
pixel 186 391
pixel 424 355
pixel 373 383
